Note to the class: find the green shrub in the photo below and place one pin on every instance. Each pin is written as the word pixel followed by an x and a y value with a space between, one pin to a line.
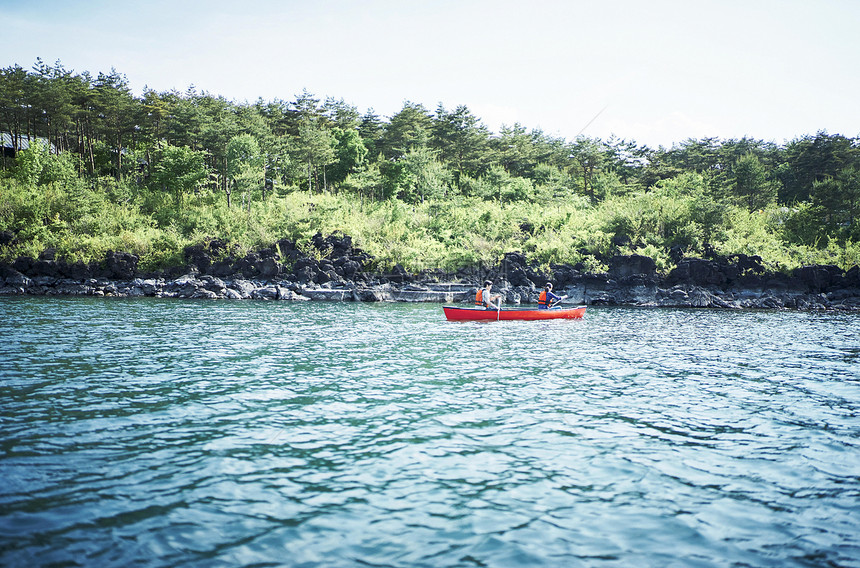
pixel 84 220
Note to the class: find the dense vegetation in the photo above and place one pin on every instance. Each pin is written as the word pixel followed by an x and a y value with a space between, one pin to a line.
pixel 155 173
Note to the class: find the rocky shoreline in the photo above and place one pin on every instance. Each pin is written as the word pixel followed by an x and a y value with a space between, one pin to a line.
pixel 331 269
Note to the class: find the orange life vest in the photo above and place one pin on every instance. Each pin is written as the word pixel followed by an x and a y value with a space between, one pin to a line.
pixel 479 298
pixel 542 300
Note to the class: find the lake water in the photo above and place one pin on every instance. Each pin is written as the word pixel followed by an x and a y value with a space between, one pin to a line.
pixel 184 433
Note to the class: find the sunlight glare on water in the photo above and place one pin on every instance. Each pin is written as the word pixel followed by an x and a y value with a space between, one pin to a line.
pixel 192 433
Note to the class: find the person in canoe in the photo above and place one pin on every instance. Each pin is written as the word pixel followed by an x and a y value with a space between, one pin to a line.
pixel 547 299
pixel 485 298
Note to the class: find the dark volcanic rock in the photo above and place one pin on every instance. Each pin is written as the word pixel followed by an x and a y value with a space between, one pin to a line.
pixel 269 268
pixel 198 256
pixel 120 265
pixel 305 274
pixel 338 271
pixel 350 268
pixel 818 278
pixel 23 264
pixel 48 254
pixel 746 263
pixel 398 275
pixel 697 271
pixel 515 270
pixel 78 270
pixel 45 268
pixel 623 266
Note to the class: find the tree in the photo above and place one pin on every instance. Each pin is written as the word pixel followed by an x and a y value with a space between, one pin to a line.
pixel 244 165
pixel 551 177
pixel 461 139
pixel 341 114
pixel 117 112
pixel 837 198
pixel 409 128
pixel 751 183
pixel 280 167
pixel 213 124
pixel 184 118
pixel 179 169
pixel 730 151
pixel 501 186
pixel 54 99
pixel 814 158
pixel 365 181
pixel 14 99
pixel 587 154
pixel 36 165
pixel 699 156
pixel 315 149
pixel 627 159
pixel 307 107
pixel 279 116
pixel 371 131
pixel 83 100
pixel 349 153
pixel 29 163
pixel 517 150
pixel 426 177
pixel 156 109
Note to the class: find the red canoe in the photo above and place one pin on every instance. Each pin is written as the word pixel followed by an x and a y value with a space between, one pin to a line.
pixel 475 314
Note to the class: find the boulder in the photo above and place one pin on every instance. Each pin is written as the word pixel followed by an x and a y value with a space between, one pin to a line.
pixel 328 295
pixel 16 279
pixel 747 263
pixel 23 264
pixel 398 275
pixel 517 276
pixel 818 278
pixel 43 267
pixel 629 265
pixel 636 289
pixel 243 288
pixel 371 295
pixel 564 275
pixel 249 265
pixel 120 265
pixel 305 274
pixel 78 270
pixel 350 268
pixel 697 271
pixel 325 276
pixel 269 268
pixel 48 254
pixel 266 293
pixel 213 283
pixel 232 294
pixel 198 255
pixel 147 287
pixel 222 268
pixel 203 294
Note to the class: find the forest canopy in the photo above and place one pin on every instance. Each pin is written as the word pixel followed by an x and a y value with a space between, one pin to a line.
pixel 88 166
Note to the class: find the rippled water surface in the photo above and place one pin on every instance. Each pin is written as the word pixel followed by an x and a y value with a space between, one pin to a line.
pixel 168 433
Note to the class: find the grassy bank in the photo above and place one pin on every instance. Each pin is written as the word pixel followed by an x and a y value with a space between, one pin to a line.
pixel 83 220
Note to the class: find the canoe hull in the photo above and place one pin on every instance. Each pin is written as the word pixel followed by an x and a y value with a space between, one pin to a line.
pixel 477 314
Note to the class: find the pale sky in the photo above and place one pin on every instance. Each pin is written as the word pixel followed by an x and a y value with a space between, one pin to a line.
pixel 654 71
